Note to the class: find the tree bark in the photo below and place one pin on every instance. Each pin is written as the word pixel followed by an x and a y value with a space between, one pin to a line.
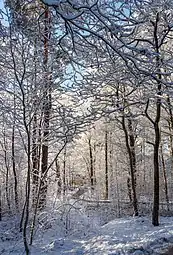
pixel 36 137
pixel 170 124
pixel 129 189
pixel 58 176
pixel 91 163
pixel 165 178
pixel 46 114
pixel 130 145
pixel 106 166
pixel 14 169
pixel 155 123
pixel 64 171
pixel 35 169
pixel 155 213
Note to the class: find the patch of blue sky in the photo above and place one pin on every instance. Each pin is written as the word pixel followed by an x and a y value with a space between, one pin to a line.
pixel 1 4
pixel 3 14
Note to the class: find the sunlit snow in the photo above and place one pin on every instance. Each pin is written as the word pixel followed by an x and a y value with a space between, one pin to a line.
pixel 130 235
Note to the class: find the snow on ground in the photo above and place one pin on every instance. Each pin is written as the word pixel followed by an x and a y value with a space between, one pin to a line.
pixel 133 236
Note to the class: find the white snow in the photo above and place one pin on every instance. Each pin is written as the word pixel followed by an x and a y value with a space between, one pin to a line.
pixel 130 235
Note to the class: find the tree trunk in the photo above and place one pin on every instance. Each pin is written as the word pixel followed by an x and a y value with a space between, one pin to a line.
pixel 111 169
pixel 35 136
pixel 35 169
pixel 155 214
pixel 94 164
pixel 91 164
pixel 13 156
pixel 46 114
pixel 64 171
pixel 130 145
pixel 170 124
pixel 165 178
pixel 14 170
pixel 129 189
pixel 106 166
pixel 58 176
pixel 155 123
pixel 28 187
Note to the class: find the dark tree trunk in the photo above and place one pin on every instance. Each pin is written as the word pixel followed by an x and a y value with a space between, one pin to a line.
pixel 170 112
pixel 46 114
pixel 106 166
pixel 155 213
pixel 35 136
pixel 94 163
pixel 130 145
pixel 91 163
pixel 64 171
pixel 35 159
pixel 129 189
pixel 14 168
pixel 156 122
pixel 111 169
pixel 165 179
pixel 28 187
pixel 170 124
pixel 58 176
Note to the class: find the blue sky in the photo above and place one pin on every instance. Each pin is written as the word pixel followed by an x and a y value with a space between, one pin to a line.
pixel 4 22
pixel 1 4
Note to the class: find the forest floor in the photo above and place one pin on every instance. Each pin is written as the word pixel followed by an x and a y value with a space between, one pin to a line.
pixel 127 235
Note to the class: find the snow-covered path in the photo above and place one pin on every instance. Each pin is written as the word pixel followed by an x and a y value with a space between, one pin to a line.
pixel 121 236
pixel 129 235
